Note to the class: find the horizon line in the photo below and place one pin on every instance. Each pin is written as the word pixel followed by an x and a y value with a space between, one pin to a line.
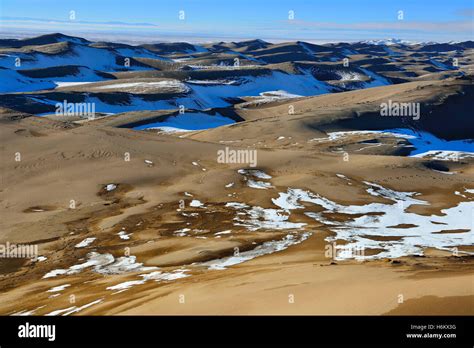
pixel 201 39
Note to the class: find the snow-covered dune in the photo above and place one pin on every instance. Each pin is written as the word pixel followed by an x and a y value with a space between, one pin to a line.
pixel 94 58
pixel 22 81
pixel 297 84
pixel 206 95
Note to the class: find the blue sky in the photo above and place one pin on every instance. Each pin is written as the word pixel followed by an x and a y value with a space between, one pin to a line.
pixel 211 20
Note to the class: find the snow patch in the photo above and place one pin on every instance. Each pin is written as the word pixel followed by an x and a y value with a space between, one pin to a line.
pixel 85 242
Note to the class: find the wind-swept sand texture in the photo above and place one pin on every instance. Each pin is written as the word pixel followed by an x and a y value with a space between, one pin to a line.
pixel 163 233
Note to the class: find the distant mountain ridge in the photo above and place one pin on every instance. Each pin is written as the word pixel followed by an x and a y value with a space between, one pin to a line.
pixel 251 44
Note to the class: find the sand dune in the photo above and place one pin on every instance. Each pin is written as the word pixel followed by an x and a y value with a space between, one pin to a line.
pixel 131 218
